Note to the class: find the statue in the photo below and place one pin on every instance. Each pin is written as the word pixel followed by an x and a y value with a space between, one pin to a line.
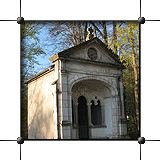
pixel 90 35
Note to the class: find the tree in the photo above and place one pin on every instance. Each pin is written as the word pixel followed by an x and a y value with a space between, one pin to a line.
pixel 75 32
pixel 115 35
pixel 30 49
pixel 135 72
pixel 127 44
pixel 67 34
pixel 97 26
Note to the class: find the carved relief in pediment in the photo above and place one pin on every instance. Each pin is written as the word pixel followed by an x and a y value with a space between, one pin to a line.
pixel 93 53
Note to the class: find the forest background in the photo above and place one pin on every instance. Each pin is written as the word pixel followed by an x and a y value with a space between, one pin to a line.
pixel 41 40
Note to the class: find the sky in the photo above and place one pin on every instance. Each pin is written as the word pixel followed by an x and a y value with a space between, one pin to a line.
pixel 45 42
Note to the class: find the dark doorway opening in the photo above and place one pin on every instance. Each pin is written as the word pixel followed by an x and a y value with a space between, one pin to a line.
pixel 96 115
pixel 83 118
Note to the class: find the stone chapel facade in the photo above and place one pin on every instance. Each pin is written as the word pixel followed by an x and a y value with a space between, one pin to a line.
pixel 79 97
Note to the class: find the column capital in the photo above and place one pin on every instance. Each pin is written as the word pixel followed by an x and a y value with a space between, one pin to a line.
pixel 89 103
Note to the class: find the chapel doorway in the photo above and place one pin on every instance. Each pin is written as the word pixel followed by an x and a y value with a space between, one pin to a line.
pixel 83 118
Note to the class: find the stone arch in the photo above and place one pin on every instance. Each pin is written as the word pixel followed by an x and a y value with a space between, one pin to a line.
pixel 106 90
pixel 109 84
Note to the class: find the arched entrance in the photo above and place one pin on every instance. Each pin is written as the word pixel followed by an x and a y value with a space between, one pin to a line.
pixel 91 109
pixel 83 118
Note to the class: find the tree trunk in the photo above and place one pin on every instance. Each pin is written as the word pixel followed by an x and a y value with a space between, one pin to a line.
pixel 96 28
pixel 136 81
pixel 115 35
pixel 85 30
pixel 105 33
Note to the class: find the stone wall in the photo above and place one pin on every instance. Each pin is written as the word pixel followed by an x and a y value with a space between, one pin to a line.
pixel 42 117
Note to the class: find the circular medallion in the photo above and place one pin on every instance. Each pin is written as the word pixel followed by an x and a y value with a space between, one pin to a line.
pixel 92 53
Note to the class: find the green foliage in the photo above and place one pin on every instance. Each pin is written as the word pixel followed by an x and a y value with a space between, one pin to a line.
pixel 30 49
pixel 127 41
pixel 124 35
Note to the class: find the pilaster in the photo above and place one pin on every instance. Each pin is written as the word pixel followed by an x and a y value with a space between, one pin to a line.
pixel 115 115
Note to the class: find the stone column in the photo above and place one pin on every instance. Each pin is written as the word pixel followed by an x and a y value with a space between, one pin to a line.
pixel 66 123
pixel 108 116
pixel 122 119
pixel 70 107
pixel 76 113
pixel 123 127
pixel 122 99
pixel 115 116
pixel 103 113
pixel 89 113
pixel 59 97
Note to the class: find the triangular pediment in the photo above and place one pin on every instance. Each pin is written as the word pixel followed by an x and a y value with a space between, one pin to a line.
pixel 92 50
pixel 98 55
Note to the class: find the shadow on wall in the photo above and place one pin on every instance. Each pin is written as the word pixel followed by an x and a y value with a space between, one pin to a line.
pixel 39 117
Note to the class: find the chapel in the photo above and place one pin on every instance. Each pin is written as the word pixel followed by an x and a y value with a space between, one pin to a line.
pixel 80 96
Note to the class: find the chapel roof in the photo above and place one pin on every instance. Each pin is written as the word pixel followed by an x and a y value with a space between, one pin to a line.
pixel 66 52
pixel 47 70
